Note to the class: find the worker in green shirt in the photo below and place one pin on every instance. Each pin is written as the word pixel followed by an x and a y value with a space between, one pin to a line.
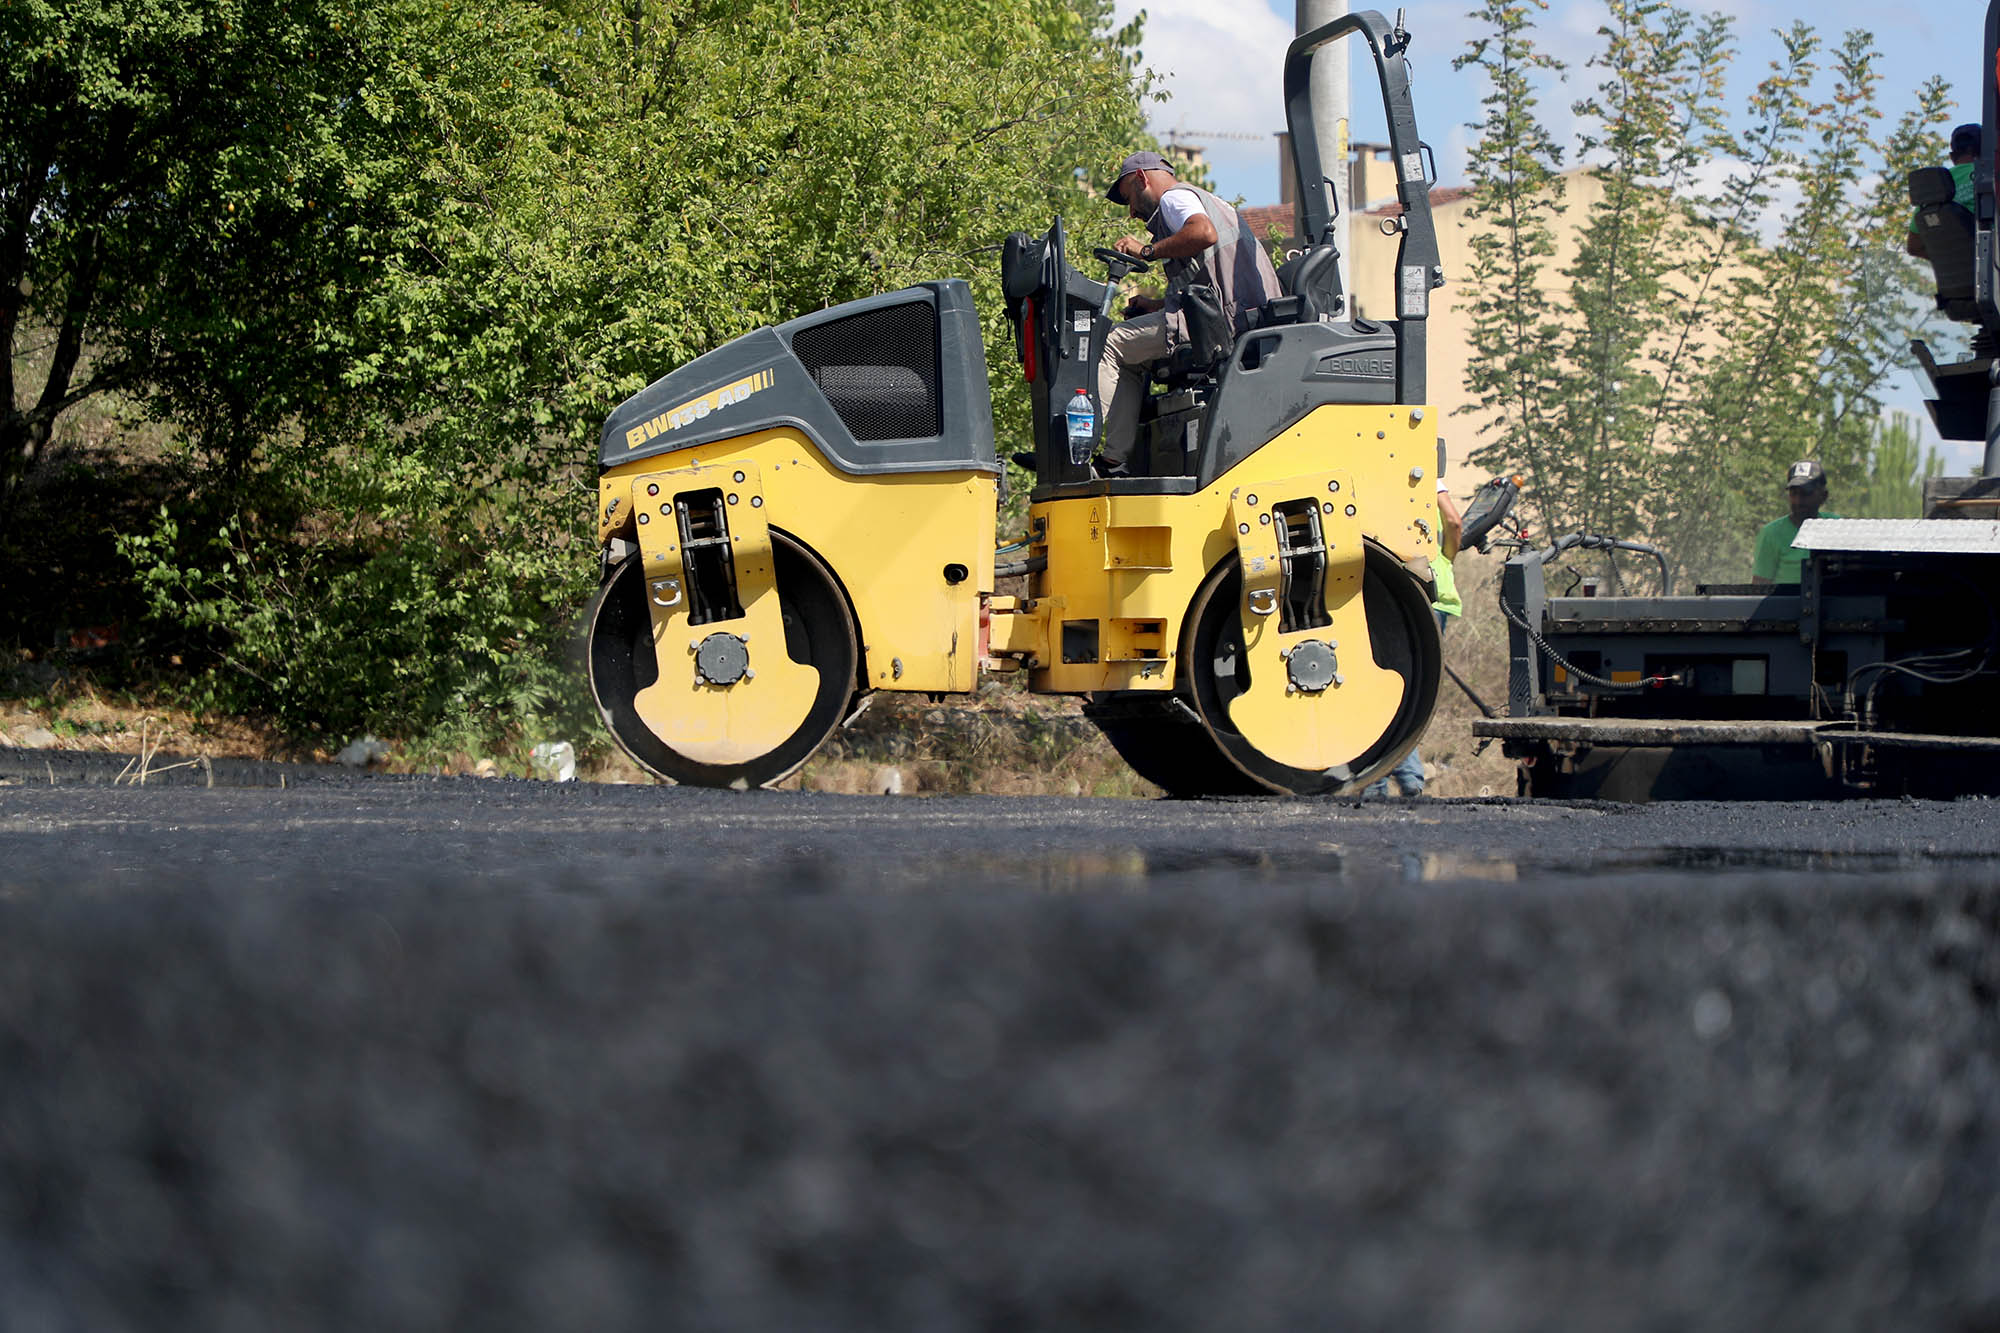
pixel 1964 154
pixel 1777 560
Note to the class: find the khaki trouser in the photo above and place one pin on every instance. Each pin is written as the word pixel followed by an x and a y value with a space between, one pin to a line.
pixel 1129 349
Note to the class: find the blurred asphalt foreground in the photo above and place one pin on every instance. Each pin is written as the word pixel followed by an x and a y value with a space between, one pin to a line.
pixel 380 1054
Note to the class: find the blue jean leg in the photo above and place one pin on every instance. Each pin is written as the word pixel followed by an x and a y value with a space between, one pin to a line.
pixel 1409 776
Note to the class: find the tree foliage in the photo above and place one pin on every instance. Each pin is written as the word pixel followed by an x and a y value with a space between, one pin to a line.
pixel 552 205
pixel 192 190
pixel 1898 465
pixel 1517 203
pixel 1737 291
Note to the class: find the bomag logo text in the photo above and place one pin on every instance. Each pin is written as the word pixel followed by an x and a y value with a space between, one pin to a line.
pixel 690 412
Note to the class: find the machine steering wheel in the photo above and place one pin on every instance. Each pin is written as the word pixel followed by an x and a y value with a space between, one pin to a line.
pixel 1120 264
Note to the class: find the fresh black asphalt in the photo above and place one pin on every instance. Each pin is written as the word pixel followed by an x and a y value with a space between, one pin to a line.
pixel 355 1053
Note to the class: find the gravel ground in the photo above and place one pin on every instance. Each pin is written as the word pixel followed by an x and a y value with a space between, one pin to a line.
pixel 411 1055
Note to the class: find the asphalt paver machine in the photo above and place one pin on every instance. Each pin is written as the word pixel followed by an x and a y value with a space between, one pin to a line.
pixel 1878 673
pixel 807 514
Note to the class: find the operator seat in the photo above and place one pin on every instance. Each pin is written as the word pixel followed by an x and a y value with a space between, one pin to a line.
pixel 1313 275
pixel 1309 287
pixel 1183 368
pixel 1947 230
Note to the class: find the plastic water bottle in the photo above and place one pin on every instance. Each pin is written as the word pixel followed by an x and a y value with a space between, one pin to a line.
pixel 1082 428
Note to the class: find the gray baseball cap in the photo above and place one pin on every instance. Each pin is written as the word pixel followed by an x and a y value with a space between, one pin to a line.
pixel 1136 162
pixel 1805 472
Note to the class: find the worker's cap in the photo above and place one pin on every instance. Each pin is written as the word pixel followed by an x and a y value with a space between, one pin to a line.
pixel 1136 162
pixel 1805 472
pixel 1965 139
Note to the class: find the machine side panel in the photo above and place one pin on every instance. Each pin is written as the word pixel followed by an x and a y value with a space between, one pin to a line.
pixel 1278 376
pixel 912 551
pixel 930 394
pixel 1119 564
pixel 967 398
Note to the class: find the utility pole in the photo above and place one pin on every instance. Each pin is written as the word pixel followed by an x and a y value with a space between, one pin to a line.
pixel 1329 99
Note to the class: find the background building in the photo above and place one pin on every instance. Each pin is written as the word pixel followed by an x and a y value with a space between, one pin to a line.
pixel 1372 265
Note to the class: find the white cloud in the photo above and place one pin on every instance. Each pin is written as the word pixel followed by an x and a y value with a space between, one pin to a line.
pixel 1222 64
pixel 1222 67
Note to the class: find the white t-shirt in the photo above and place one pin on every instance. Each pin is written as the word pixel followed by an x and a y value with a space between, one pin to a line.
pixel 1177 205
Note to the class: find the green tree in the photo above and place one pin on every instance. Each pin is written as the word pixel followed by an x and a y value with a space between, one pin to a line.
pixel 1517 200
pixel 1819 310
pixel 1898 465
pixel 663 177
pixel 191 191
pixel 1649 124
pixel 1699 340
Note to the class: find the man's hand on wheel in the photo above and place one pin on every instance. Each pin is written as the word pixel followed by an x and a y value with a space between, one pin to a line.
pixel 1129 245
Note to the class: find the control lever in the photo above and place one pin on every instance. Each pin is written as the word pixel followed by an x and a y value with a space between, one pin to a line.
pixel 1119 266
pixel 1490 506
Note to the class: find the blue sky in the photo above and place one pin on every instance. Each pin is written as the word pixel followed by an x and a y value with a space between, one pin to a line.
pixel 1220 64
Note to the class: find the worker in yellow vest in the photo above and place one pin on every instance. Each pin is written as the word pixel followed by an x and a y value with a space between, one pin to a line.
pixel 1409 774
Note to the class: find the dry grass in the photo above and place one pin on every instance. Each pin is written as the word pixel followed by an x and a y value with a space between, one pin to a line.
pixel 1476 647
pixel 1003 741
pixel 71 707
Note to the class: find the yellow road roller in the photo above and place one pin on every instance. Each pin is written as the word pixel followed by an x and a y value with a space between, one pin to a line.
pixel 807 514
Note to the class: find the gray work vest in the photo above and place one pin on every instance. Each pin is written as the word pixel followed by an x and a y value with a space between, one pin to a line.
pixel 1236 264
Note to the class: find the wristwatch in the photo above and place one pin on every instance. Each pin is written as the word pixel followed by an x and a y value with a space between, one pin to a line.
pixel 1146 253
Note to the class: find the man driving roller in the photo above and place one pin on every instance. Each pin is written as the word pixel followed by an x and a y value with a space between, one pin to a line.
pixel 1202 239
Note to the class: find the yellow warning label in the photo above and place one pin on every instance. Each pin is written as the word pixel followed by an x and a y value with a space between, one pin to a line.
pixel 689 412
